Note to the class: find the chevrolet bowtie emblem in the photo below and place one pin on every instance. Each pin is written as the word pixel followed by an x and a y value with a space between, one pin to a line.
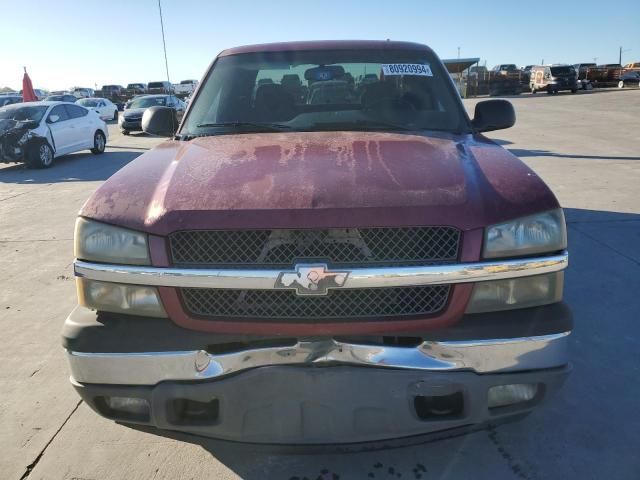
pixel 311 279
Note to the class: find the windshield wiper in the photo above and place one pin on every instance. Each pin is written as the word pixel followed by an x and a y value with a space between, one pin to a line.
pixel 266 126
pixel 378 125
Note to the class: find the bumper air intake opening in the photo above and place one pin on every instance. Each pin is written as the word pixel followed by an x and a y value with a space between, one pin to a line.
pixel 231 347
pixel 439 407
pixel 389 341
pixel 130 409
pixel 184 411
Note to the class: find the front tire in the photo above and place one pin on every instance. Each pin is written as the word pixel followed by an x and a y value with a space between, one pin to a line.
pixel 99 143
pixel 115 115
pixel 125 132
pixel 39 155
pixel 574 90
pixel 620 84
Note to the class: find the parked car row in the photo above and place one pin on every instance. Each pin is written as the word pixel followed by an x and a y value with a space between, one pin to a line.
pixel 509 79
pixel 120 95
pixel 105 109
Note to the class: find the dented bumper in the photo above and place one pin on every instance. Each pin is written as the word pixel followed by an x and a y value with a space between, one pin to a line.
pixel 316 390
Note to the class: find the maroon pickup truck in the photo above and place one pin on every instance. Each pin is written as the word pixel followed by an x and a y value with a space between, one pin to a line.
pixel 340 258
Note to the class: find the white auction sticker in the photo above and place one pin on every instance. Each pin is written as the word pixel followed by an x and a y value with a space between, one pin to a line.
pixel 406 69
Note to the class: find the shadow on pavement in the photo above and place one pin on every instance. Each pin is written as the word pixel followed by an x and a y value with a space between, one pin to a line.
pixel 593 419
pixel 413 458
pixel 518 152
pixel 527 94
pixel 77 167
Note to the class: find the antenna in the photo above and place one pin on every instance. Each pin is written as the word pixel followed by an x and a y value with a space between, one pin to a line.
pixel 166 62
pixel 164 44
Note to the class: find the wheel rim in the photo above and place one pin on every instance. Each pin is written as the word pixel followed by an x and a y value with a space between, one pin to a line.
pixel 620 84
pixel 45 155
pixel 99 142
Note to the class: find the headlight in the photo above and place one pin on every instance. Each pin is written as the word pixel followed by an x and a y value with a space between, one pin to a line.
pixel 540 233
pixel 119 298
pixel 524 292
pixel 99 242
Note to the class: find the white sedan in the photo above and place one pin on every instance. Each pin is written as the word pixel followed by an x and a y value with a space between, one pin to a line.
pixel 38 132
pixel 105 108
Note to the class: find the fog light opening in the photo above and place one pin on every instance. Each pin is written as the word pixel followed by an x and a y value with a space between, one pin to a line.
pixel 184 411
pixel 512 394
pixel 124 408
pixel 439 407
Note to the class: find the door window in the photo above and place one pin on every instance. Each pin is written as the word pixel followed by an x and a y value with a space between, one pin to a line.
pixel 60 111
pixel 75 111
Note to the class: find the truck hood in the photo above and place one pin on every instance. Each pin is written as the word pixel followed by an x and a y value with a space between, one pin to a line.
pixel 320 180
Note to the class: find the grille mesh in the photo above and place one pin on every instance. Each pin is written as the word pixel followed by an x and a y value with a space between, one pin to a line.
pixel 345 247
pixel 344 304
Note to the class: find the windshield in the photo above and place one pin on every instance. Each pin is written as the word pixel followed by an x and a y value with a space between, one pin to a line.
pixel 88 103
pixel 23 113
pixel 55 98
pixel 555 71
pixel 6 101
pixel 187 82
pixel 326 90
pixel 134 85
pixel 146 102
pixel 156 85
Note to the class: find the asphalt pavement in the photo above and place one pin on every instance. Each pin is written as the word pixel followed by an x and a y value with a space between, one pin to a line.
pixel 585 146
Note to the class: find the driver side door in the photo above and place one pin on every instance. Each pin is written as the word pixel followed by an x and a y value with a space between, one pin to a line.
pixel 61 130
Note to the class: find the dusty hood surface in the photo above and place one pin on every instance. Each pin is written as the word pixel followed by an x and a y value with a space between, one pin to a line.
pixel 320 179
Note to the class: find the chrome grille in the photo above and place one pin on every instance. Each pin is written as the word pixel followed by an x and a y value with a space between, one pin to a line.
pixel 341 247
pixel 343 304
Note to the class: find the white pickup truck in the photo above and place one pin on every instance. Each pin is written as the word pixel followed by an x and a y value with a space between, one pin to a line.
pixel 185 87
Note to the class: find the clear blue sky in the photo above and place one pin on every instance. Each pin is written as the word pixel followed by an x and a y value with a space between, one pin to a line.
pixel 65 43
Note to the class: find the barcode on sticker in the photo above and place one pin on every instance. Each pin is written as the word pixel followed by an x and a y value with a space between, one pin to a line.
pixel 406 69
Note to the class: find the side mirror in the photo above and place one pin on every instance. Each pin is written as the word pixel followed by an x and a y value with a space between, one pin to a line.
pixel 160 121
pixel 53 118
pixel 493 115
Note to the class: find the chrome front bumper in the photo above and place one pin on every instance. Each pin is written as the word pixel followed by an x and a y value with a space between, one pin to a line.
pixel 483 356
pixel 266 279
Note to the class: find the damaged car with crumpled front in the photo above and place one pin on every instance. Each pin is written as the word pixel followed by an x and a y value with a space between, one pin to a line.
pixel 37 133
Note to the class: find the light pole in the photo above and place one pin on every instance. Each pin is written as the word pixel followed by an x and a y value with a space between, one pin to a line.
pixel 620 52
